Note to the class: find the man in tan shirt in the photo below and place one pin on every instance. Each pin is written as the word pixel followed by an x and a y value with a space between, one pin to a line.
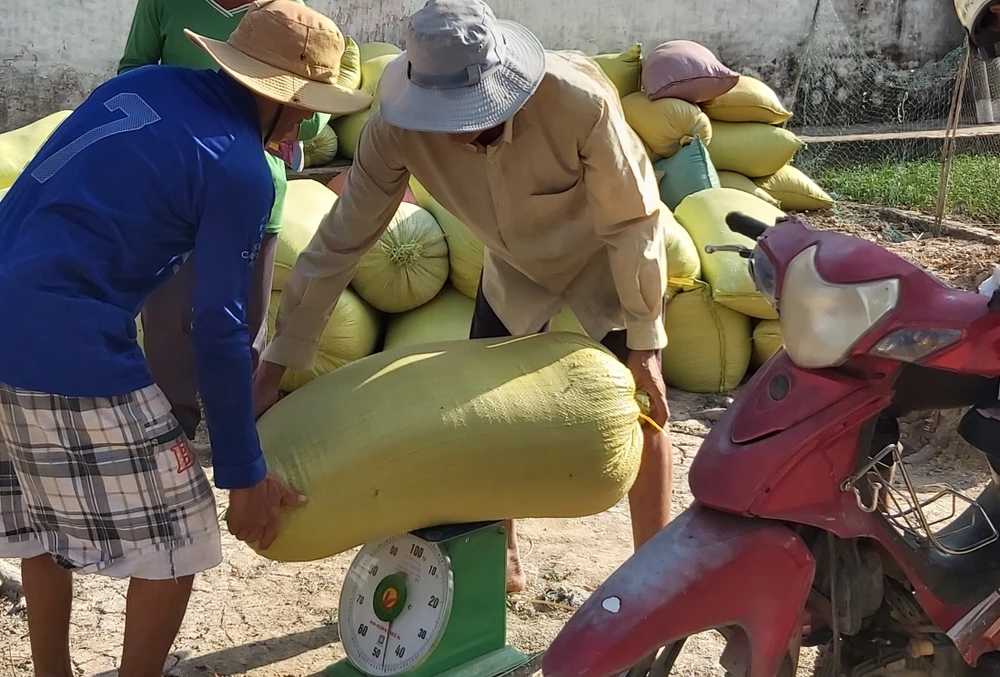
pixel 532 151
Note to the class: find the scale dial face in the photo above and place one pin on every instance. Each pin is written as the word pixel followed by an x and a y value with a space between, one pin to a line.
pixel 395 605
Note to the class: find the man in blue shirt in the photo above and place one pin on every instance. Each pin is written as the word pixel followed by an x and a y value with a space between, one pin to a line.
pixel 96 475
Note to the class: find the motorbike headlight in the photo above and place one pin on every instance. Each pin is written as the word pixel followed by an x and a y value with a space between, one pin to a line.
pixel 762 271
pixel 821 321
pixel 913 345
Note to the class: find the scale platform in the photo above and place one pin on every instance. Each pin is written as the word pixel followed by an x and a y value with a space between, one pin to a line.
pixel 431 603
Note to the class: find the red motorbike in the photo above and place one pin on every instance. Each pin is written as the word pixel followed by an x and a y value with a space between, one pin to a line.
pixel 806 528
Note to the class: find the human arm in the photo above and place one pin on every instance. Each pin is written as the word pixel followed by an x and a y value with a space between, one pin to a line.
pixel 228 236
pixel 375 187
pixel 623 194
pixel 226 244
pixel 625 202
pixel 145 44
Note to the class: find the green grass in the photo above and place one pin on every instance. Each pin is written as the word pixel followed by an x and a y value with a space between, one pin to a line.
pixel 974 185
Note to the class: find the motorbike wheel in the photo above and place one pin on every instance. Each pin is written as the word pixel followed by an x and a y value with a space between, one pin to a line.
pixel 661 663
pixel 658 663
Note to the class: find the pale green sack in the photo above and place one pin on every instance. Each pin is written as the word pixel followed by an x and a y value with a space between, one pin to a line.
pixel 351 333
pixel 408 265
pixel 446 317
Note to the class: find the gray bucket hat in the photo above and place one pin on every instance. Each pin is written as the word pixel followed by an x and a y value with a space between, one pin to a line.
pixel 463 70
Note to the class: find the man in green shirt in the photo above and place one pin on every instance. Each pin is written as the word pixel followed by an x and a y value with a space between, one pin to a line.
pixel 157 37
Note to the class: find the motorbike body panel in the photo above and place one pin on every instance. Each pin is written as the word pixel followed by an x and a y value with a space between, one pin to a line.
pixel 705 570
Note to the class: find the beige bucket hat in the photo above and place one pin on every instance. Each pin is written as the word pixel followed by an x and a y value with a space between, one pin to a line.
pixel 288 53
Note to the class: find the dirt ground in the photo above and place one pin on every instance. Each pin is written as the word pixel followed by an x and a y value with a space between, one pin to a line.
pixel 257 618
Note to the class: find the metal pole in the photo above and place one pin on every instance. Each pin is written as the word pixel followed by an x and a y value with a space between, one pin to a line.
pixel 948 149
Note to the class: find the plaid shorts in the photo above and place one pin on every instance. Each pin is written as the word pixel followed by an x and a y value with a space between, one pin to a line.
pixel 104 485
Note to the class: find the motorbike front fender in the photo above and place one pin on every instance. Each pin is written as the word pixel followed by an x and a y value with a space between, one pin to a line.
pixel 706 570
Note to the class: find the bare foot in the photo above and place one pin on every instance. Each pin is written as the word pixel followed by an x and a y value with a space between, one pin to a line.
pixel 516 580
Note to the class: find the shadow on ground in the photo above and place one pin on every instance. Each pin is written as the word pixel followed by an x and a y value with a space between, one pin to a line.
pixel 244 658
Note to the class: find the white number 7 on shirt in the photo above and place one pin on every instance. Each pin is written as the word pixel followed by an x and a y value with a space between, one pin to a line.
pixel 138 114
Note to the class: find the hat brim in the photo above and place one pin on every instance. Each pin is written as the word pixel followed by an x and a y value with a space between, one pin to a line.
pixel 281 85
pixel 482 106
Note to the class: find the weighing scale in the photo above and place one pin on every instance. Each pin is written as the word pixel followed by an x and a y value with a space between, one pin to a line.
pixel 430 603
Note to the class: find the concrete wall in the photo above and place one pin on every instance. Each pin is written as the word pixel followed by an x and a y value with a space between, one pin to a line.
pixel 54 52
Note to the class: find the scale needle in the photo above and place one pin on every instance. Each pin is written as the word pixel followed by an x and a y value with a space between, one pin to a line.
pixel 388 634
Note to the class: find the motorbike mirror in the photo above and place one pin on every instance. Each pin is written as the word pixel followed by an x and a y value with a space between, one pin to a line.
pixel 747 226
pixel 745 252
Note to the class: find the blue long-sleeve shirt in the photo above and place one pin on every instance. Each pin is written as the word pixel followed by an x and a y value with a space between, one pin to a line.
pixel 157 164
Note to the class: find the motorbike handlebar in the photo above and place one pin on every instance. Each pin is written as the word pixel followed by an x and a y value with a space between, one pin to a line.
pixel 747 226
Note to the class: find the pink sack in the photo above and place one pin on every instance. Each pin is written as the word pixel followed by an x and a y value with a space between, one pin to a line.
pixel 681 69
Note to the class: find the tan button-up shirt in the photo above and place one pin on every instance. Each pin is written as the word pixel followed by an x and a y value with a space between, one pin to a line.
pixel 565 202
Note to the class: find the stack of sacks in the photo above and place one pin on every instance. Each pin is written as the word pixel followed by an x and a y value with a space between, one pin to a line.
pixel 374 57
pixel 749 143
pixel 19 146
pixel 688 94
pixel 709 327
pixel 676 77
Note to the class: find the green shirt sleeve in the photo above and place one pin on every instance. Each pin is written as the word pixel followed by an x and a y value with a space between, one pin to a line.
pixel 308 129
pixel 145 43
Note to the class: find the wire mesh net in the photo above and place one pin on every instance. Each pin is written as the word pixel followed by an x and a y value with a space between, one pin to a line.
pixel 876 128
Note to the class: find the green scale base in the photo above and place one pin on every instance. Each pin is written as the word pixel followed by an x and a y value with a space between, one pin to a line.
pixel 474 643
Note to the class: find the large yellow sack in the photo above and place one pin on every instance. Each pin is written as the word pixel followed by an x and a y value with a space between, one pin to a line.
pixel 796 191
pixel 708 345
pixel 306 203
pixel 366 442
pixel 740 182
pixel 447 317
pixel 703 215
pixel 353 332
pixel 749 101
pixel 408 265
pixel 766 340
pixel 19 146
pixel 622 69
pixel 751 148
pixel 666 125
pixel 465 250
